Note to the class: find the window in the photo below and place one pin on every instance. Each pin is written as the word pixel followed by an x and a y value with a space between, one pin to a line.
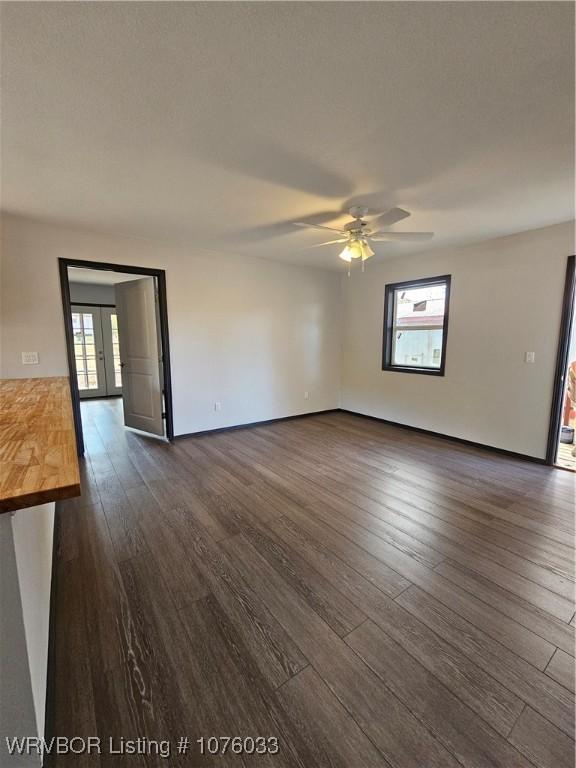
pixel 416 326
pixel 116 350
pixel 85 350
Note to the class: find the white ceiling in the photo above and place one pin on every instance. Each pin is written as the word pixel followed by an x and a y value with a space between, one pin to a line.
pixel 217 124
pixel 99 276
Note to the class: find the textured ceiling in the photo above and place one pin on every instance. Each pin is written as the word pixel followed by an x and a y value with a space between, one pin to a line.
pixel 217 124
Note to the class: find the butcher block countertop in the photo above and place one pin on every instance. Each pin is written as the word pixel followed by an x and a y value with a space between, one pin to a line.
pixel 38 461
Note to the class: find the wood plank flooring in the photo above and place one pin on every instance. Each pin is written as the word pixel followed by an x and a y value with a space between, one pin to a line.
pixel 367 596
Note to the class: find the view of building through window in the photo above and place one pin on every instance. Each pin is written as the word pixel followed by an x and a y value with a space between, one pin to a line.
pixel 418 326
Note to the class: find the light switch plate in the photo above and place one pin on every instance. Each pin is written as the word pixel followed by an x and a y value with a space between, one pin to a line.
pixel 530 357
pixel 30 358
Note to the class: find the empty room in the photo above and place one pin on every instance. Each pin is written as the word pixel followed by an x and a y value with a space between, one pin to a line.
pixel 287 384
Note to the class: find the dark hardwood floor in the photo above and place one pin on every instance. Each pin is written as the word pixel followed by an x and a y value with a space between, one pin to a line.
pixel 366 595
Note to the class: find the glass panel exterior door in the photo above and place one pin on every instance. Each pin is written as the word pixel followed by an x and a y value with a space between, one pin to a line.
pixel 88 351
pixel 111 351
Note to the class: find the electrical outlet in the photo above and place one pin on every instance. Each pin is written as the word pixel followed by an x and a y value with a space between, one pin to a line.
pixel 530 357
pixel 306 395
pixel 30 358
pixel 217 406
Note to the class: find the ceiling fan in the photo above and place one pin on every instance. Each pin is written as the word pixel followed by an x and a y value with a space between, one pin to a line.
pixel 359 234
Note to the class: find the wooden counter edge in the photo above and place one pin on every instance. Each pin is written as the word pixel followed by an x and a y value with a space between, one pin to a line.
pixel 14 499
pixel 35 498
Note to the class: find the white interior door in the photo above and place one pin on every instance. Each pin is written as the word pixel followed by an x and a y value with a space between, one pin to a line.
pixel 110 340
pixel 140 355
pixel 88 351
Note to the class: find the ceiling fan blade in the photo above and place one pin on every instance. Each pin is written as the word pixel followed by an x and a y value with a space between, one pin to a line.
pixel 391 217
pixel 317 226
pixel 266 231
pixel 328 242
pixel 382 237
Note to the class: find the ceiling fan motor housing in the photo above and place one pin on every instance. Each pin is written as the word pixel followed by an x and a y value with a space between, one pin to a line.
pixel 358 211
pixel 355 226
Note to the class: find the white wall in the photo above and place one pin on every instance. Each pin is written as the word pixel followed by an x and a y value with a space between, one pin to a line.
pixel 92 293
pixel 506 299
pixel 251 334
pixel 255 335
pixel 33 531
pixel 18 709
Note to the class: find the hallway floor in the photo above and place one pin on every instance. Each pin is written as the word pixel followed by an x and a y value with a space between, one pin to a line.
pixel 359 594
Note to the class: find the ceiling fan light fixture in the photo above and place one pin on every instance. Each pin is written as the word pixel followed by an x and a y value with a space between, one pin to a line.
pixel 358 234
pixel 356 249
pixel 346 254
pixel 367 252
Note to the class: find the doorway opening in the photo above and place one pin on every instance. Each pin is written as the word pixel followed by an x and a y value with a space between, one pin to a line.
pixel 116 323
pixel 562 434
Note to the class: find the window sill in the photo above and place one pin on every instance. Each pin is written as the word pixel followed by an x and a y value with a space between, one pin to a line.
pixel 410 369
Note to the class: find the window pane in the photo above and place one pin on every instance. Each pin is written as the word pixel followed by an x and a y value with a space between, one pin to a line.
pixel 84 350
pixel 116 351
pixel 421 348
pixel 420 306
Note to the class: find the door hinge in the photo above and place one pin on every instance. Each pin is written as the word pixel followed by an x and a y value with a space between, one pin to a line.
pixel 163 414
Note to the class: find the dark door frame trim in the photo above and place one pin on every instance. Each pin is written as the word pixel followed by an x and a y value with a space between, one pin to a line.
pixel 568 308
pixel 160 275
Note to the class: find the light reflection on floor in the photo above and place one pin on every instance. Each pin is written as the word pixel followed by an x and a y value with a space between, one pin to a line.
pixel 565 457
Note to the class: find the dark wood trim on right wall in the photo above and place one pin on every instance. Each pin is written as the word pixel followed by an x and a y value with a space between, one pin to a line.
pixel 431 433
pixel 568 302
pixel 442 436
